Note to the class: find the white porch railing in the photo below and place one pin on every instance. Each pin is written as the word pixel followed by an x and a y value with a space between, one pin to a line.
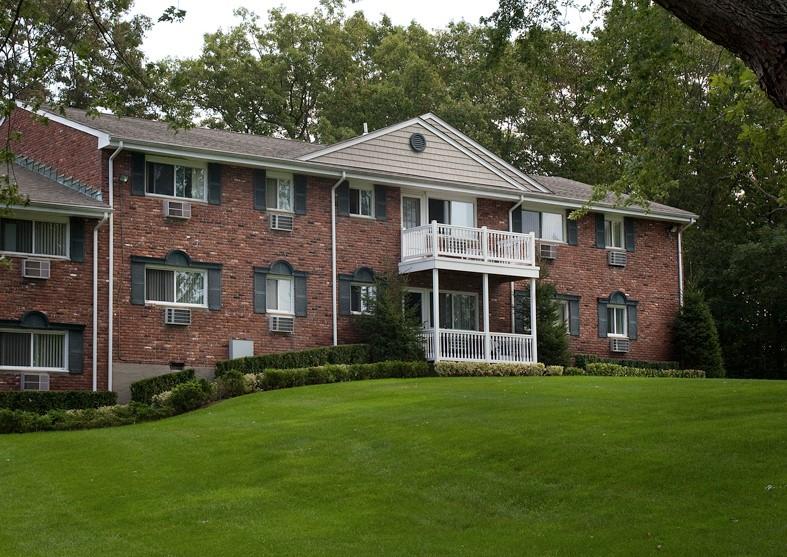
pixel 472 244
pixel 469 346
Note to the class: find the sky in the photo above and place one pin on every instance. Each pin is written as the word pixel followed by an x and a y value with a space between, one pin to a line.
pixel 205 16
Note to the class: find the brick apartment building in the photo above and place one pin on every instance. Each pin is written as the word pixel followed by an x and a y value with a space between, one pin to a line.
pixel 143 249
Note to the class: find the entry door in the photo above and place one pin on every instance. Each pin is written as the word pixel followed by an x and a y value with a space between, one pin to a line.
pixel 411 212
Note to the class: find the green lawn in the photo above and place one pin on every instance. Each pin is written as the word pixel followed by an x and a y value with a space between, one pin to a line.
pixel 464 466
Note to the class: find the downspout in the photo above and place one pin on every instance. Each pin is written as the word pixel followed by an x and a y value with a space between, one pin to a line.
pixel 111 293
pixel 95 299
pixel 511 229
pixel 334 295
pixel 680 259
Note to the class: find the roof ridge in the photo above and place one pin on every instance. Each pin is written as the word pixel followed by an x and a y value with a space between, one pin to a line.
pixel 51 173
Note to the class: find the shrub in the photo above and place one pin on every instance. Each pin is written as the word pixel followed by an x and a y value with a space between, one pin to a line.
pixel 233 383
pixel 696 338
pixel 285 378
pixel 581 360
pixel 472 369
pixel 615 370
pixel 553 370
pixel 190 395
pixel 17 421
pixel 42 402
pixel 573 371
pixel 342 354
pixel 143 391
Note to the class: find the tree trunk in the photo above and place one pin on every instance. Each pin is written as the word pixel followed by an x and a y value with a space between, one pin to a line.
pixel 754 30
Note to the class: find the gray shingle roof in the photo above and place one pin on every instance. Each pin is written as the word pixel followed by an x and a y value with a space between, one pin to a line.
pixel 40 189
pixel 137 129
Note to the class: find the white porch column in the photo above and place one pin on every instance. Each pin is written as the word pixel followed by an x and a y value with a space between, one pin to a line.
pixel 436 312
pixel 533 317
pixel 487 338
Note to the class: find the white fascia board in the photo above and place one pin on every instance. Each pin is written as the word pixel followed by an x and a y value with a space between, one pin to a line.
pixel 575 204
pixel 358 139
pixel 513 271
pixel 62 209
pixel 102 137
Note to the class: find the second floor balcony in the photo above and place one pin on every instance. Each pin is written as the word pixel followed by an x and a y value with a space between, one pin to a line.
pixel 461 248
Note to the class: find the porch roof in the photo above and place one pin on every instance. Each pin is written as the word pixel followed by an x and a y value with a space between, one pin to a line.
pixel 42 190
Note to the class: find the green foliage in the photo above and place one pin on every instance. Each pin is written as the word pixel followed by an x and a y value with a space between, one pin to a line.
pixel 696 339
pixel 233 383
pixel 615 370
pixel 42 402
pixel 19 421
pixel 551 333
pixel 573 371
pixel 144 390
pixel 478 369
pixel 341 354
pixel 581 360
pixel 286 378
pixel 391 329
pixel 190 395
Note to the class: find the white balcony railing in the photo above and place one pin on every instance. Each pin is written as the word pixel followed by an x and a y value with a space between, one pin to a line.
pixel 470 346
pixel 464 243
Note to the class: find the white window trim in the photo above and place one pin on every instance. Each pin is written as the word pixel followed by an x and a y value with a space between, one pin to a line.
pixel 283 313
pixel 426 313
pixel 177 162
pixel 361 285
pixel 365 187
pixel 625 333
pixel 615 219
pixel 41 218
pixel 280 176
pixel 204 273
pixel 32 369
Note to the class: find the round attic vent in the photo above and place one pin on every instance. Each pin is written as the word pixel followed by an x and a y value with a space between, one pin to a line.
pixel 417 142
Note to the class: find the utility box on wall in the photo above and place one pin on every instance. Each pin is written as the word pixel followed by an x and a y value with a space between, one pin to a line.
pixel 241 348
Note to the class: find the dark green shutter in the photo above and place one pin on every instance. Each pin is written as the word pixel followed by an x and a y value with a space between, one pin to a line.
pixel 75 352
pixel 343 198
pixel 137 174
pixel 631 315
pixel 572 235
pixel 573 318
pixel 603 327
pixel 344 296
pixel 301 187
pixel 380 194
pixel 260 289
pixel 137 283
pixel 521 310
pixel 214 183
pixel 600 240
pixel 516 220
pixel 258 183
pixel 77 239
pixel 630 233
pixel 214 288
pixel 300 295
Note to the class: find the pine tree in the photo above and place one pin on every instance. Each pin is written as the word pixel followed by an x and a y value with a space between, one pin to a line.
pixel 696 339
pixel 552 341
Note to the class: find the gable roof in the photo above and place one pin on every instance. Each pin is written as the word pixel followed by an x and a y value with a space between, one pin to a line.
pixel 42 190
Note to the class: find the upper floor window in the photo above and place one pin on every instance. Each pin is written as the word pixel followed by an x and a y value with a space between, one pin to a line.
pixel 362 201
pixel 279 193
pixel 34 237
pixel 544 225
pixel 33 350
pixel 613 232
pixel 454 212
pixel 176 286
pixel 176 179
pixel 280 294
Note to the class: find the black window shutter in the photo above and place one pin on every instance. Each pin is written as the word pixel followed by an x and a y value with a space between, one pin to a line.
pixel 572 235
pixel 214 183
pixel 573 318
pixel 600 240
pixel 603 328
pixel 343 198
pixel 521 310
pixel 300 295
pixel 379 202
pixel 516 220
pixel 260 289
pixel 344 296
pixel 75 352
pixel 137 174
pixel 631 315
pixel 258 183
pixel 137 283
pixel 76 228
pixel 630 233
pixel 301 186
pixel 214 288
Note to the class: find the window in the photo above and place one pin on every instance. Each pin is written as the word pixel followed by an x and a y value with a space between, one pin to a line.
pixel 360 294
pixel 34 237
pixel 457 213
pixel 458 310
pixel 544 225
pixel 175 286
pixel 613 232
pixel 362 202
pixel 279 295
pixel 176 180
pixel 411 212
pixel 564 315
pixel 32 350
pixel 616 319
pixel 279 194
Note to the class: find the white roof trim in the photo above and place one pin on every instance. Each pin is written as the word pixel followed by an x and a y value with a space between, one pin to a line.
pixel 62 209
pixel 103 137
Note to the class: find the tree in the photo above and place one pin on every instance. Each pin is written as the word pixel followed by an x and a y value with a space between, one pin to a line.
pixel 551 332
pixel 696 338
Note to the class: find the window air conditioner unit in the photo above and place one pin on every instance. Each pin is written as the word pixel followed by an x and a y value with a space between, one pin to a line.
pixel 35 382
pixel 35 268
pixel 619 345
pixel 617 258
pixel 177 316
pixel 547 251
pixel 282 324
pixel 177 209
pixel 281 222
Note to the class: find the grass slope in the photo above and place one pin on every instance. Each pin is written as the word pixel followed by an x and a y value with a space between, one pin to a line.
pixel 467 466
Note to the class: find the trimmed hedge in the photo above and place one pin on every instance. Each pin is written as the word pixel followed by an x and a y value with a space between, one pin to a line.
pixel 581 361
pixel 42 402
pixel 144 390
pixel 190 395
pixel 17 421
pixel 614 370
pixel 341 354
pixel 481 369
pixel 297 377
